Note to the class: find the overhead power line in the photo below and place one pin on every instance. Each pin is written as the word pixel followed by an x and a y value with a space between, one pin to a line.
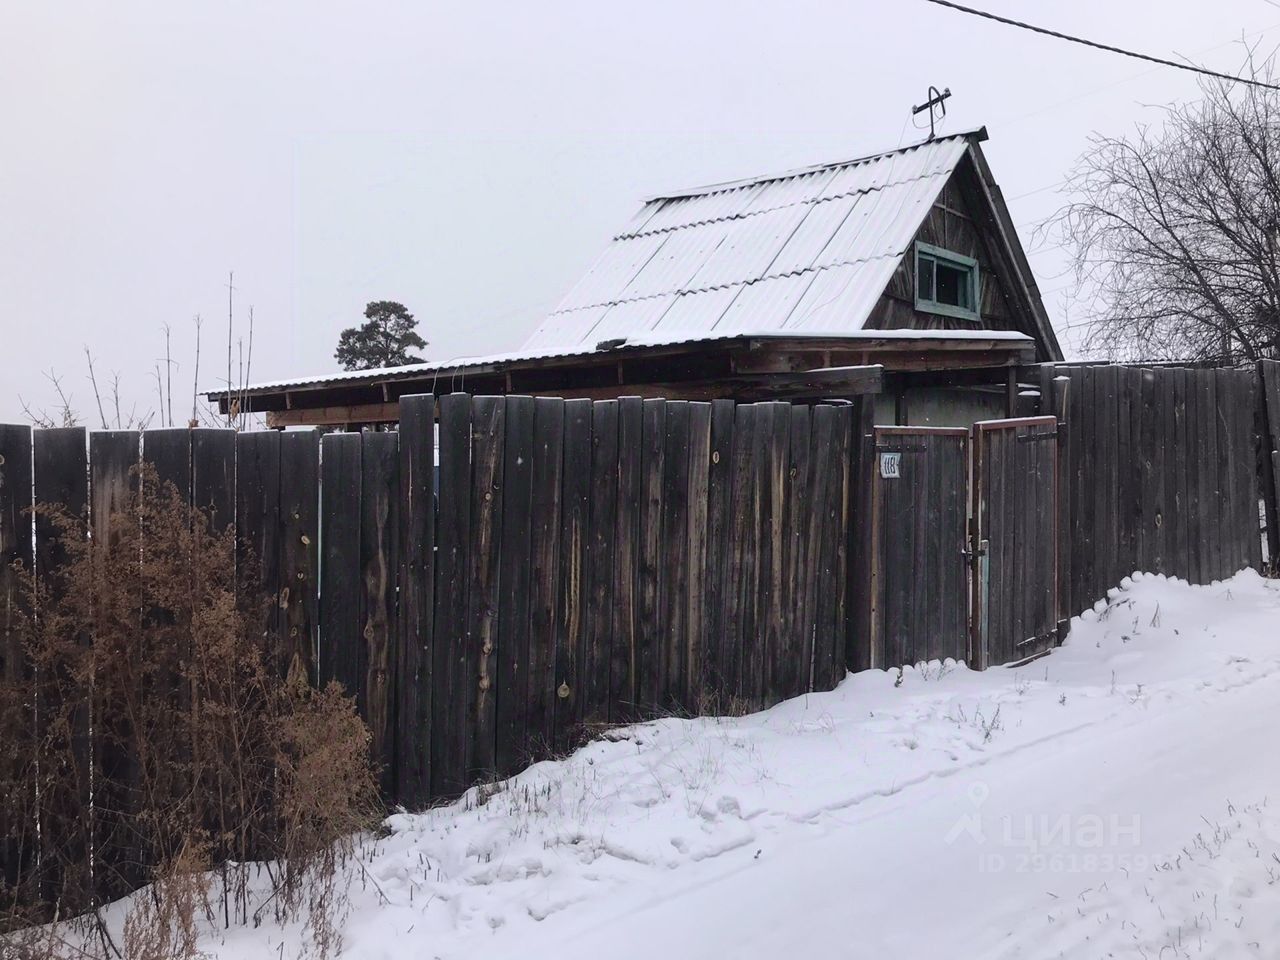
pixel 1104 46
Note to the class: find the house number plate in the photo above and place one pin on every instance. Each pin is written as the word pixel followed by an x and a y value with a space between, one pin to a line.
pixel 890 464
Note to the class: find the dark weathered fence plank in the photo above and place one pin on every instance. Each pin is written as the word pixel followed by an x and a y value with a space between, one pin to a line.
pixel 600 578
pixel 61 480
pixel 773 676
pixel 417 600
pixel 693 642
pixel 840 516
pixel 1217 511
pixel 17 829
pixel 113 457
pixel 379 564
pixel 1268 414
pixel 1247 423
pixel 257 521
pixel 169 451
pixel 716 585
pixel 488 432
pixel 622 691
pixel 1240 483
pixel 544 580
pixel 575 511
pixel 340 585
pixel 858 536
pixel 213 475
pixel 512 655
pixel 673 570
pixel 17 824
pixel 796 654
pixel 449 720
pixel 299 598
pixel 649 626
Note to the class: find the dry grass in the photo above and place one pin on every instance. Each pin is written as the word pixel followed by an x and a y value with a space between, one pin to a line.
pixel 203 756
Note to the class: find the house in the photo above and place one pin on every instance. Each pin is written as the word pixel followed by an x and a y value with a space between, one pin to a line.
pixel 898 274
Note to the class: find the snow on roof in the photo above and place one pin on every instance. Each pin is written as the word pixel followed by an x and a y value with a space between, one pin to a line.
pixel 808 251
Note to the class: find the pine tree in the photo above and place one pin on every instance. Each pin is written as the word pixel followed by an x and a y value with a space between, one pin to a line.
pixel 384 340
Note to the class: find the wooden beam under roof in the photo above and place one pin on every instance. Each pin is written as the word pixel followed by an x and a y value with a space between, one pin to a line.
pixel 833 382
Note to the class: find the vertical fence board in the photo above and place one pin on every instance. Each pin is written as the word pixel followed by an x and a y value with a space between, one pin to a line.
pixel 213 475
pixel 774 675
pixel 488 433
pixel 603 533
pixel 649 630
pixel 450 680
pixel 1217 507
pixel 61 479
pixel 740 565
pixel 544 586
pixel 1268 383
pixel 118 861
pixel 512 655
pixel 693 642
pixel 840 518
pixel 717 586
pixel 575 556
pixel 673 568
pixel 299 598
pixel 341 645
pixel 823 470
pixel 1246 512
pixel 379 563
pixel 858 537
pixel 797 664
pixel 17 831
pixel 622 681
pixel 1152 486
pixel 258 520
pixel 417 600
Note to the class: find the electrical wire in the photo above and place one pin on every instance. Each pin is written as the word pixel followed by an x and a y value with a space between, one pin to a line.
pixel 1248 81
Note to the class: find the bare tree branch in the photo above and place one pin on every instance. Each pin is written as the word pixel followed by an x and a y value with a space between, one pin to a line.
pixel 1176 230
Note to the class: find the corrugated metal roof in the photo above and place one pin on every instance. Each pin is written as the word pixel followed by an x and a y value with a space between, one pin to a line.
pixel 638 342
pixel 801 252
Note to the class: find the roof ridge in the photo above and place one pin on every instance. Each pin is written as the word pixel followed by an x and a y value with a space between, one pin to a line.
pixel 743 215
pixel 724 186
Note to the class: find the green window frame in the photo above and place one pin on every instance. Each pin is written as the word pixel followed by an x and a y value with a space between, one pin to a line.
pixel 959 282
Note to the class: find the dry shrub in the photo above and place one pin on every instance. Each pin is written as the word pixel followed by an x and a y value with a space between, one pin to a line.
pixel 204 755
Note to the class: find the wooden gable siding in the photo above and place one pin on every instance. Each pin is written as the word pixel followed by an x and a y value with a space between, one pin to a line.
pixel 953 224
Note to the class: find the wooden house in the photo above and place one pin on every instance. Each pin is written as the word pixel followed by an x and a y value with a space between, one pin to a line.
pixel 898 274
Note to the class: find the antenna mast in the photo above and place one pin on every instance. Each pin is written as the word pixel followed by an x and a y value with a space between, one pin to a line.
pixel 937 107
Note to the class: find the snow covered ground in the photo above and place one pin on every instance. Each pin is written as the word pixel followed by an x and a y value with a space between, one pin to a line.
pixel 1118 798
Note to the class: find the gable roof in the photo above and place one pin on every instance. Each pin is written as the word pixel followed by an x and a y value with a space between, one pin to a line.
pixel 805 252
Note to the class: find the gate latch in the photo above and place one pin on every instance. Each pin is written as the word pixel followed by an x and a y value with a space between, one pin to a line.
pixel 983 547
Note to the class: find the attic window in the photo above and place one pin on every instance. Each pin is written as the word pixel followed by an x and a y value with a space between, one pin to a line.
pixel 946 283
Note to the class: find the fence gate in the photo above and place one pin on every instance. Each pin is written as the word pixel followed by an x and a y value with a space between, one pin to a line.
pixel 919 595
pixel 1014 521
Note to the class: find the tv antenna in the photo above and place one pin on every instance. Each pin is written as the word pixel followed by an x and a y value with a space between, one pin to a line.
pixel 937 107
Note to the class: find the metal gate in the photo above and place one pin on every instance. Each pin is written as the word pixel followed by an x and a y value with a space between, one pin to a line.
pixel 919 602
pixel 1014 522
pixel 964 542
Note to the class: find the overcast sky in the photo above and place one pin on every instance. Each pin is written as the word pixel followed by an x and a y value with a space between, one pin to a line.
pixel 470 160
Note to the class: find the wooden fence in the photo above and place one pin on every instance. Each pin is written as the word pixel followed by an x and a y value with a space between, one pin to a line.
pixel 1159 473
pixel 567 564
pixel 577 563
